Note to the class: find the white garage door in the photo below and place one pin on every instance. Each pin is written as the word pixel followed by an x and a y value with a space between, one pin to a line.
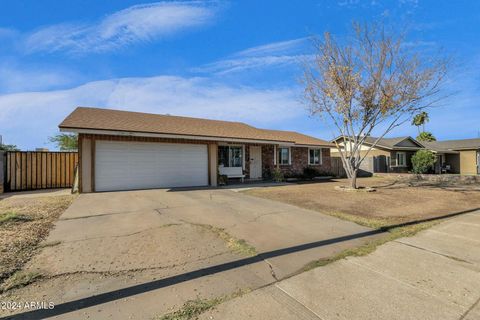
pixel 143 165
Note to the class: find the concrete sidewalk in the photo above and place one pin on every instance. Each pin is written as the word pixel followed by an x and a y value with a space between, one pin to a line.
pixel 433 275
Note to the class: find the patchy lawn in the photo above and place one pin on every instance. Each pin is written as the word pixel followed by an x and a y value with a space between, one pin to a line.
pixel 369 247
pixel 393 202
pixel 396 207
pixel 24 223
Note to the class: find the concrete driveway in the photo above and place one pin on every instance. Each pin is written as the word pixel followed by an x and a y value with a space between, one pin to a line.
pixel 140 254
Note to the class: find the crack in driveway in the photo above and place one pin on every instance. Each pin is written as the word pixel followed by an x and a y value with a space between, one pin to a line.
pixel 272 272
pixel 263 215
pixel 158 210
pixel 103 215
pixel 115 273
pixel 125 235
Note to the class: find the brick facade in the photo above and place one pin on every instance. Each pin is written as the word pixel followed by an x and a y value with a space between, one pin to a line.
pixel 267 161
pixel 299 161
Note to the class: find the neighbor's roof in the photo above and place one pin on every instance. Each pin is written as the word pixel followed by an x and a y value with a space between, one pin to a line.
pixel 84 119
pixel 449 145
pixel 390 143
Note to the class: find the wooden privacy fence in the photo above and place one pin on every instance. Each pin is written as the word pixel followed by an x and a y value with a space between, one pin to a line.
pixel 28 170
pixel 337 167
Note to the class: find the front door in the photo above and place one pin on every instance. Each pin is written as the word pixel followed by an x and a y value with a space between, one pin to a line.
pixel 255 162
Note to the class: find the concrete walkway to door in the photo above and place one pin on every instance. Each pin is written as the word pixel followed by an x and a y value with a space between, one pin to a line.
pixel 139 254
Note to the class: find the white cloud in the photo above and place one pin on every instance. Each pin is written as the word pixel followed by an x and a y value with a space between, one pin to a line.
pixel 135 24
pixel 7 32
pixel 281 47
pixel 27 119
pixel 348 3
pixel 281 53
pixel 14 78
pixel 241 64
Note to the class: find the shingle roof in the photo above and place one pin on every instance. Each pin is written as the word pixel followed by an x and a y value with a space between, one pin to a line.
pixel 454 145
pixel 389 143
pixel 299 138
pixel 83 118
pixel 386 142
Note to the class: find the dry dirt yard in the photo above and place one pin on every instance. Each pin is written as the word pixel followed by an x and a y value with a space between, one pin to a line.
pixel 24 222
pixel 393 201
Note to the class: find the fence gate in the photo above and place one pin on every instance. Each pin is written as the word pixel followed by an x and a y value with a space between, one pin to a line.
pixel 28 170
pixel 337 167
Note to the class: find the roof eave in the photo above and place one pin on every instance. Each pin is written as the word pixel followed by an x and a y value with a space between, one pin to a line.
pixel 444 151
pixel 466 148
pixel 314 145
pixel 408 148
pixel 168 135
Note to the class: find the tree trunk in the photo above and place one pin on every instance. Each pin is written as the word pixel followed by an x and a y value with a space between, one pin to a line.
pixel 353 180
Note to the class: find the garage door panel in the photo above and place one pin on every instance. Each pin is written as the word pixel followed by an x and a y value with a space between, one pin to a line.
pixel 138 165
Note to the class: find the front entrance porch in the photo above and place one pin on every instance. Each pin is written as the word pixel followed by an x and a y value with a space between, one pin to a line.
pixel 240 161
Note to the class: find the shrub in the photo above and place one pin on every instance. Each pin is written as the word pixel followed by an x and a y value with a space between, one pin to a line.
pixel 267 173
pixel 423 161
pixel 222 179
pixel 310 173
pixel 277 175
pixel 293 175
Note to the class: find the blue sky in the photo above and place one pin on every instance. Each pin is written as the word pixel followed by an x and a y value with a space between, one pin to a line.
pixel 235 60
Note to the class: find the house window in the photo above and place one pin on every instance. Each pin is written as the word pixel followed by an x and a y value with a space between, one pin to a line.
pixel 236 157
pixel 223 156
pixel 230 156
pixel 401 159
pixel 283 155
pixel 315 156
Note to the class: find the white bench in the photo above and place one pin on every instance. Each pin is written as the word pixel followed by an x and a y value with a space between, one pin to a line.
pixel 232 172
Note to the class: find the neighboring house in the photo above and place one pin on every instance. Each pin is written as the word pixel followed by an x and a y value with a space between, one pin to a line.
pixel 394 155
pixel 120 150
pixel 388 155
pixel 457 156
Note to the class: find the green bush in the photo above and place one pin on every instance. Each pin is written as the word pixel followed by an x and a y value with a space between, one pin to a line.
pixel 293 175
pixel 423 161
pixel 277 175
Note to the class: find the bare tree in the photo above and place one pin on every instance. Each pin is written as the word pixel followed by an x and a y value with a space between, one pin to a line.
pixel 371 83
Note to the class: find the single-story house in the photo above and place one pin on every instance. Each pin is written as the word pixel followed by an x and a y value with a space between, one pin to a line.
pixel 394 155
pixel 457 156
pixel 388 155
pixel 120 150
